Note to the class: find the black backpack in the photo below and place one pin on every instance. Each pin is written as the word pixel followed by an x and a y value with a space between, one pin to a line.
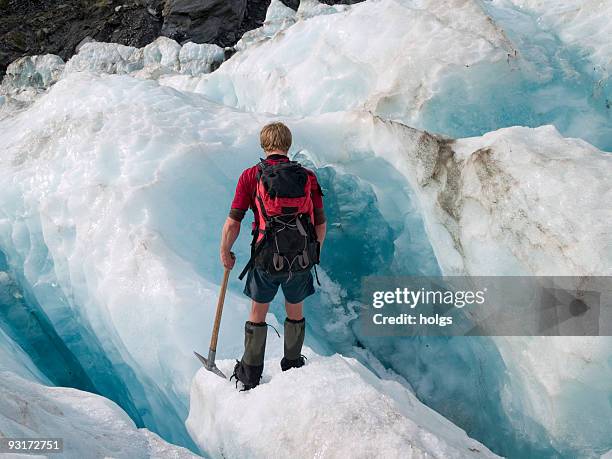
pixel 284 238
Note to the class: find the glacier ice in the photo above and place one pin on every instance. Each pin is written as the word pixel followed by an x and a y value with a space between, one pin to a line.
pixel 162 56
pixel 333 407
pixel 308 68
pixel 33 71
pixel 557 67
pixel 196 59
pixel 583 25
pixel 477 196
pixel 278 17
pixel 310 8
pixel 106 58
pixel 163 52
pixel 90 173
pixel 514 201
pixel 89 425
pixel 27 324
pixel 26 76
pixel 461 69
pixel 16 361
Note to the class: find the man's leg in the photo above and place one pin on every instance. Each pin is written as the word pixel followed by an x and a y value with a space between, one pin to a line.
pixel 250 367
pixel 295 329
pixel 258 312
pixel 296 288
pixel 295 311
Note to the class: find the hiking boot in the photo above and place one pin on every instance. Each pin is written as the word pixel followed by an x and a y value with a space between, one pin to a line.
pixel 248 370
pixel 297 363
pixel 294 340
pixel 247 375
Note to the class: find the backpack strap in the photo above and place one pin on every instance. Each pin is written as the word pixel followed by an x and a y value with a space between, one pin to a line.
pixel 256 248
pixel 317 275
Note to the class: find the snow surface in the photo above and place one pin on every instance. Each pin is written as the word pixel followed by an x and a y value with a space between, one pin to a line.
pixel 331 408
pixel 90 425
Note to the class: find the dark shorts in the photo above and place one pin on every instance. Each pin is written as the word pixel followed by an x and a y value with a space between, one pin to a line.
pixel 261 287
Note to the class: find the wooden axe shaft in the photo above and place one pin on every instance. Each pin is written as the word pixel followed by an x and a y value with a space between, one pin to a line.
pixel 217 324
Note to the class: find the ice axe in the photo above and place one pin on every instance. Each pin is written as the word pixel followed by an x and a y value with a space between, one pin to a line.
pixel 209 363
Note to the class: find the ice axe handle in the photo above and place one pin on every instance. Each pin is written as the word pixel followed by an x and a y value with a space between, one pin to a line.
pixel 217 324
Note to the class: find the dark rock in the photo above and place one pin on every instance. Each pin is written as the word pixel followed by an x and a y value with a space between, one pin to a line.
pixel 294 4
pixel 203 21
pixel 254 17
pixel 341 2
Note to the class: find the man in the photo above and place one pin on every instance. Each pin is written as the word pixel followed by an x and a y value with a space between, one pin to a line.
pixel 289 229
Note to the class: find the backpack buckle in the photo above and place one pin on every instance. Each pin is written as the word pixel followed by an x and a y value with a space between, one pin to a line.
pixel 278 262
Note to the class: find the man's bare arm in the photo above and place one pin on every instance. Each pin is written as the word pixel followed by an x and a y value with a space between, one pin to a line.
pixel 231 230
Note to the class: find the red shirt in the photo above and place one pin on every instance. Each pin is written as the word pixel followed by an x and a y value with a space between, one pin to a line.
pixel 244 199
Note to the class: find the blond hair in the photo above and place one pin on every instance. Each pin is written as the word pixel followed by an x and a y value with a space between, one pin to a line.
pixel 275 136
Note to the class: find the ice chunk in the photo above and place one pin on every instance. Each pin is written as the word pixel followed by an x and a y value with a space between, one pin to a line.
pixel 278 12
pixel 195 59
pixel 163 52
pixel 32 71
pixel 134 316
pixel 90 425
pixel 477 198
pixel 102 57
pixel 460 69
pixel 332 407
pixel 163 56
pixel 504 174
pixel 278 17
pixel 310 8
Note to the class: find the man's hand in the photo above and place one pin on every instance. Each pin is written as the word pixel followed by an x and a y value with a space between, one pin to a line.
pixel 228 259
